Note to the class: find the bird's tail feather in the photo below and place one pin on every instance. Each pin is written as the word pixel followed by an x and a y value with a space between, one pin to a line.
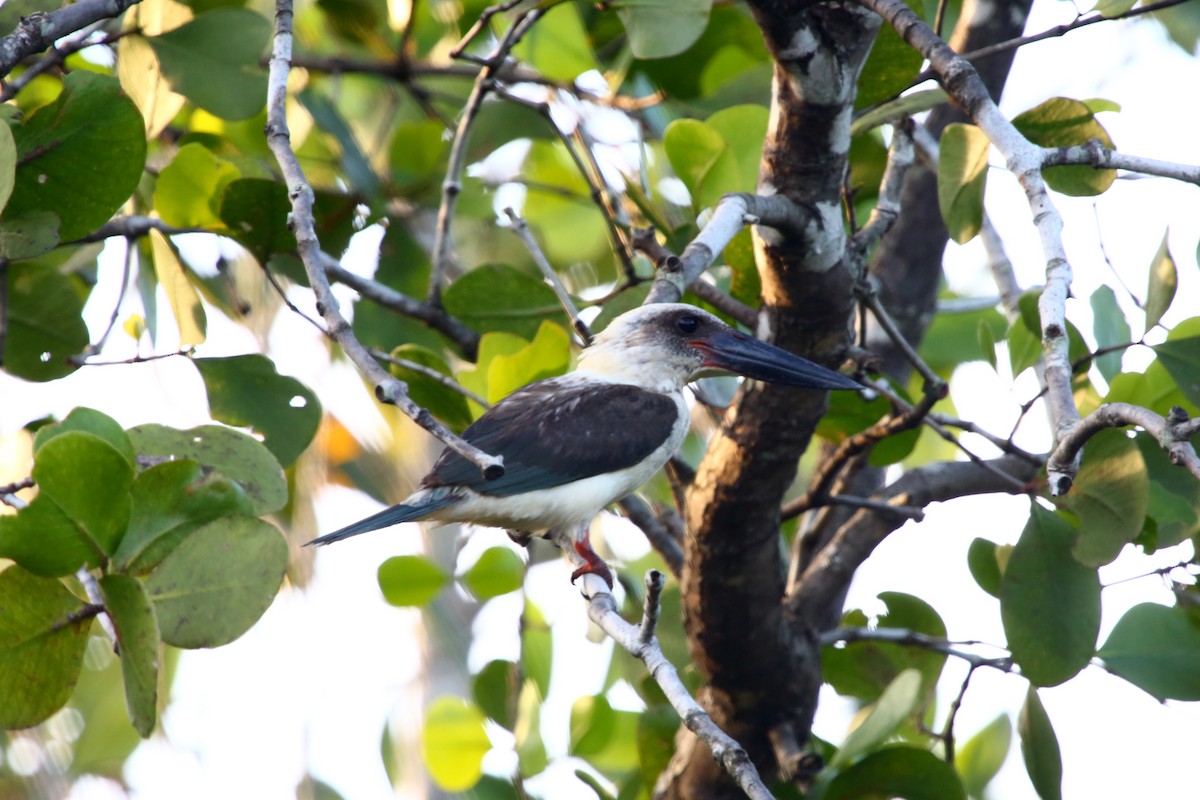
pixel 404 512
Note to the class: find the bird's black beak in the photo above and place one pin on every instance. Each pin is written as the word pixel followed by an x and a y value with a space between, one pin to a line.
pixel 736 352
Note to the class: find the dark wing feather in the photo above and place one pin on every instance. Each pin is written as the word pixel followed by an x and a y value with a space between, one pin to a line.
pixel 557 431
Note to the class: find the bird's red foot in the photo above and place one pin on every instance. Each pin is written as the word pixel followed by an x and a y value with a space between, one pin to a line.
pixel 592 563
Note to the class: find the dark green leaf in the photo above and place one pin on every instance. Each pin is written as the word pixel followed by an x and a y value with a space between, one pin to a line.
pixel 354 163
pixel 1180 354
pixel 1110 328
pixel 905 772
pixel 90 421
pixel 8 164
pixel 132 613
pixel 1110 496
pixel 410 580
pixel 45 325
pixel 1039 747
pixel 218 581
pixel 656 740
pixel 501 298
pixel 987 343
pixel 235 455
pixel 954 339
pixel 1156 648
pixel 59 169
pixel 188 191
pixel 443 402
pixel 962 176
pixel 658 29
pixel 498 571
pixel 213 61
pixel 983 559
pixel 1049 602
pixel 453 743
pixel 247 391
pixel 1163 282
pixel 255 211
pixel 1174 496
pixel 41 646
pixel 44 540
pixel 492 689
pixel 29 235
pixel 890 68
pixel 1062 122
pixel 170 501
pixel 419 150
pixel 980 757
pixel 89 480
pixel 1156 388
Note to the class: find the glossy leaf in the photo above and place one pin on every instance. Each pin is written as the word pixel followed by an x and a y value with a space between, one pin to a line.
pixel 89 480
pixel 218 581
pixel 498 571
pixel 962 176
pixel 188 191
pixel 1157 649
pixel 1049 602
pixel 182 296
pixel 1180 354
pixel 213 61
pixel 1110 328
pixel 1163 282
pixel 1039 747
pixel 235 455
pixel 1062 122
pixel 898 701
pixel 132 614
pixel 410 580
pixel 453 743
pixel 1110 496
pixel 900 771
pixel 90 421
pixel 41 646
pixel 45 325
pixel 658 29
pixel 445 403
pixel 501 298
pixel 246 391
pixel 979 758
pixel 57 149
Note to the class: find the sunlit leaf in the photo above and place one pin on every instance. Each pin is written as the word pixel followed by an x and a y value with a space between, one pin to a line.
pixel 962 176
pixel 558 45
pixel 453 743
pixel 498 571
pixel 1162 284
pixel 188 191
pixel 182 296
pixel 1062 122
pixel 410 580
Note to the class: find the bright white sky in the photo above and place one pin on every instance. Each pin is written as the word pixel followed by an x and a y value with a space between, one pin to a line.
pixel 314 682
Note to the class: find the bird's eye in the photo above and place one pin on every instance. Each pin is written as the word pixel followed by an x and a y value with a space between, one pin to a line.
pixel 687 324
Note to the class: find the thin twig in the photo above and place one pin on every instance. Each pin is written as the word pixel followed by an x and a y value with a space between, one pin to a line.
pixel 521 228
pixel 432 374
pixel 910 638
pixel 41 29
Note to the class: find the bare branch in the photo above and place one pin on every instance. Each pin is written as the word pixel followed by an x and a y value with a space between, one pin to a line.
pixel 521 228
pixel 887 207
pixel 39 30
pixel 387 388
pixel 908 638
pixel 1096 155
pixel 660 536
pixel 432 374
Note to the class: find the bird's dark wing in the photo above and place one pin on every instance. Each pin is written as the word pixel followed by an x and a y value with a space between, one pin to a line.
pixel 557 431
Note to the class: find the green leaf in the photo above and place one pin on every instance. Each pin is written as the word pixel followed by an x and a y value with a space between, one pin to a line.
pixel 492 689
pixel 90 421
pixel 44 540
pixel 59 168
pixel 568 224
pixel 182 296
pixel 213 61
pixel 410 580
pixel 1062 122
pixel 1025 336
pixel 987 342
pixel 498 297
pixel 1157 649
pixel 894 706
pixel 232 453
pixel 537 655
pixel 739 255
pixel 89 480
pixel 170 501
pixel 355 164
pixel 41 646
pixel 419 149
pixel 218 581
pixel 558 45
pixel 1163 282
pixel 983 560
pixel 743 128
pixel 498 571
pixel 453 743
pixel 1110 328
pixel 962 176
pixel 954 339
pixel 531 750
pixel 1174 496
pixel 604 736
pixel 1039 747
pixel 29 235
pixel 1180 354
pixel 45 324
pixel 255 211
pixel 1049 602
pixel 662 28
pixel 900 771
pixel 1113 8
pixel 719 155
pixel 980 757
pixel 8 164
pixel 890 68
pixel 443 402
pixel 1110 496
pixel 247 391
pixel 546 356
pixel 1156 388
pixel 188 191
pixel 132 613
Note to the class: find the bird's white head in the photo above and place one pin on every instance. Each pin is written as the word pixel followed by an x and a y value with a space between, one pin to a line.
pixel 663 346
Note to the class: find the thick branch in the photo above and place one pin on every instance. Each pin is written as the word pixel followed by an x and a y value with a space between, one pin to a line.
pixel 1094 154
pixel 40 29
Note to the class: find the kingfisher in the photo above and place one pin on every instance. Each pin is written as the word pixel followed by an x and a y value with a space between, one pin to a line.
pixel 573 444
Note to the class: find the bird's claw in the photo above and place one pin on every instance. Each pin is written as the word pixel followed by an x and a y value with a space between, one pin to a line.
pixel 592 563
